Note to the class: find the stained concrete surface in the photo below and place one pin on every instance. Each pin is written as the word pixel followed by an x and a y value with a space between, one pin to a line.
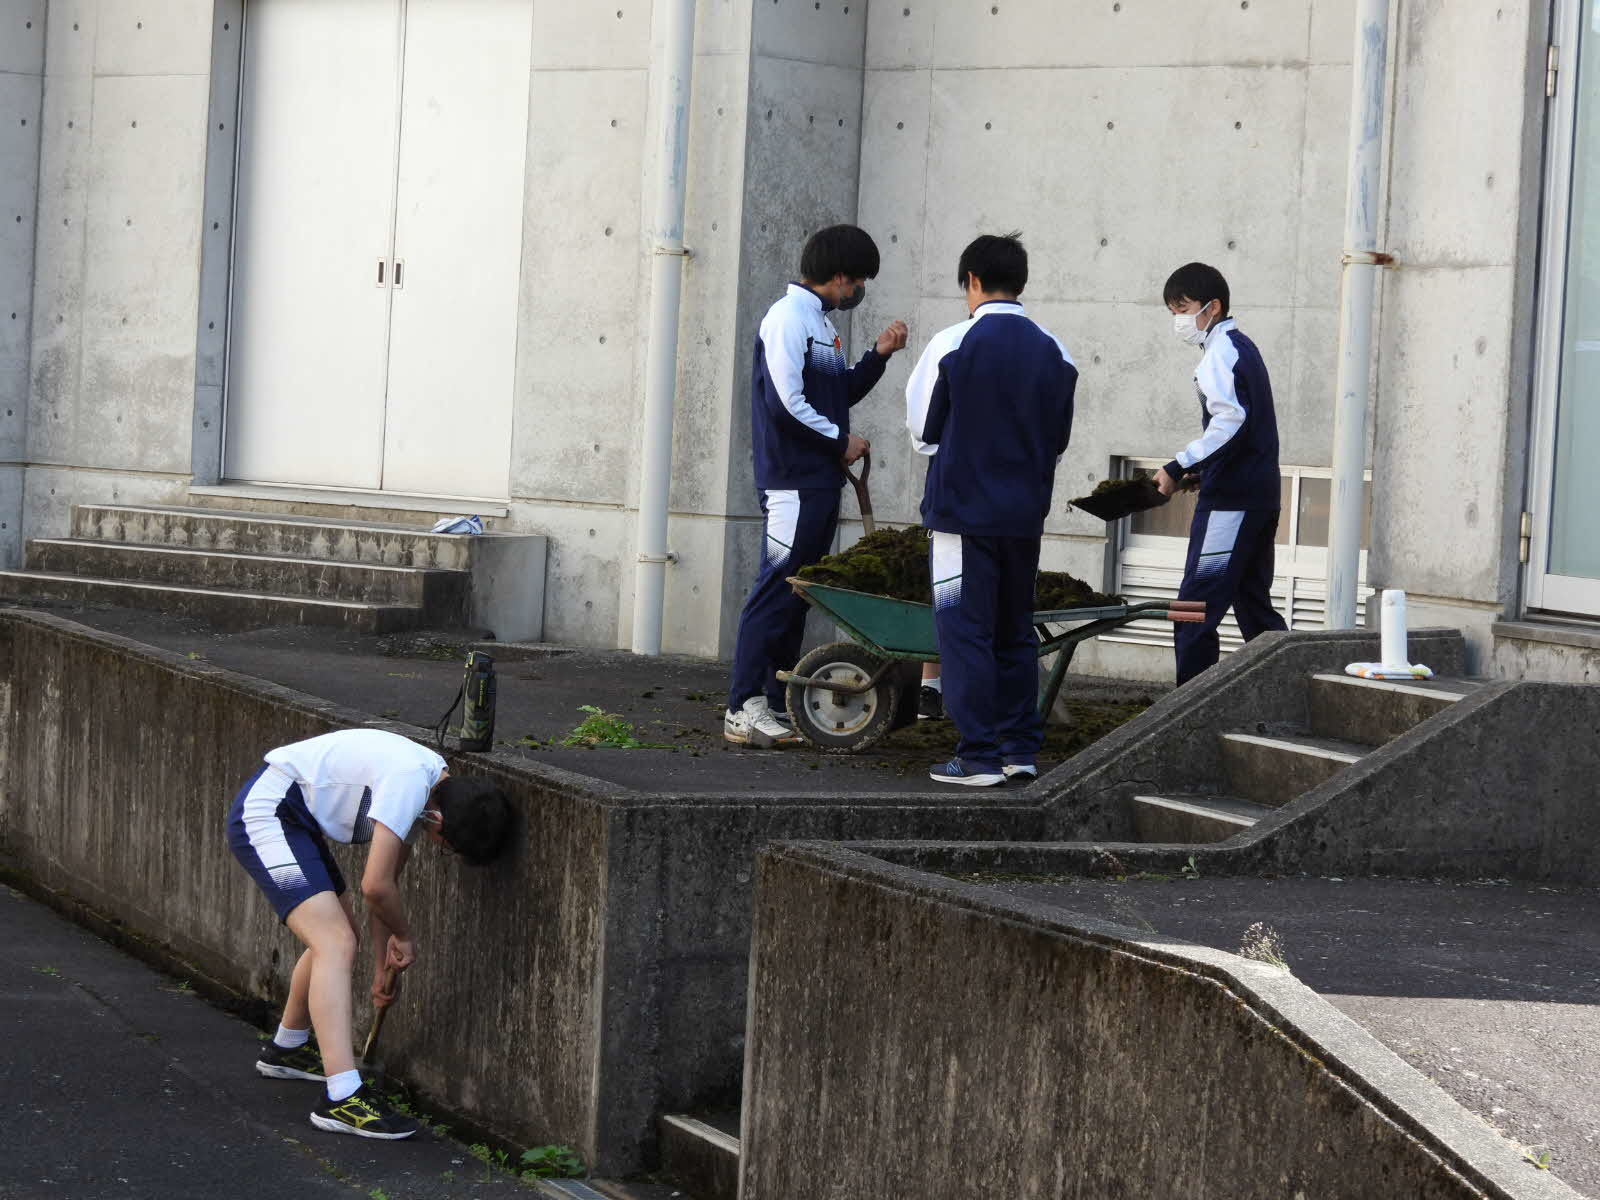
pixel 675 703
pixel 117 1083
pixel 1492 990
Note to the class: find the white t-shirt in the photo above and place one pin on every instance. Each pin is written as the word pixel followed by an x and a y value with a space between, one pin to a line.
pixel 353 777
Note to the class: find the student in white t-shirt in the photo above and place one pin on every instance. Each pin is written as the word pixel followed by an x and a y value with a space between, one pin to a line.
pixel 354 786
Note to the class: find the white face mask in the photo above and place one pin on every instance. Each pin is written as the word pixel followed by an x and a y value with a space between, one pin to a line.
pixel 1188 330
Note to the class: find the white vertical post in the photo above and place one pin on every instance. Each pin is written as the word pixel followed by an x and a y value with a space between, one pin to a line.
pixel 673 67
pixel 1361 265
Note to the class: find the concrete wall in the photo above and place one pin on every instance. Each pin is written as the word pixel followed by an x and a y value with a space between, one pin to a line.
pixel 117 267
pixel 949 1042
pixel 1456 335
pixel 572 993
pixel 22 41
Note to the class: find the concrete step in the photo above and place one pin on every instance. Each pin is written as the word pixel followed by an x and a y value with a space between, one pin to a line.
pixel 222 608
pixel 702 1154
pixel 1375 711
pixel 258 533
pixel 442 595
pixel 1275 770
pixel 1182 819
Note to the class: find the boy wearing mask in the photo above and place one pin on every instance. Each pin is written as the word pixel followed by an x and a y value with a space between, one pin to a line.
pixel 1231 540
pixel 801 396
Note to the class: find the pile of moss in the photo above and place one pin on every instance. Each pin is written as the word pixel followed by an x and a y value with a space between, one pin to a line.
pixel 894 562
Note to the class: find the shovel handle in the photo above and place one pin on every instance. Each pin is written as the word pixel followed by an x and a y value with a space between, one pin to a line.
pixel 863 496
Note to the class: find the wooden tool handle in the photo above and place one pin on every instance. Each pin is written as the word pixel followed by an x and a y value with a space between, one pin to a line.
pixel 378 1015
pixel 863 496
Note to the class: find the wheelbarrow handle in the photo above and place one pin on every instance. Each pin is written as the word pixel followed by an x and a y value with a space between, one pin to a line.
pixel 1198 606
pixel 863 496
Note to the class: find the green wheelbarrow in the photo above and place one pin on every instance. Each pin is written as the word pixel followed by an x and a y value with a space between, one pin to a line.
pixel 848 696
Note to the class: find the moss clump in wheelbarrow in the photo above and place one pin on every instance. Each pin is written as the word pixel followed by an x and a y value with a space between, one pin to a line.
pixel 894 562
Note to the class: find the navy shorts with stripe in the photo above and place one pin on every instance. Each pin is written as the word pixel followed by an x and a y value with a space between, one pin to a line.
pixel 272 834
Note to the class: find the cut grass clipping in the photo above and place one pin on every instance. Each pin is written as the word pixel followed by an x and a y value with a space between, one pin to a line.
pixel 894 562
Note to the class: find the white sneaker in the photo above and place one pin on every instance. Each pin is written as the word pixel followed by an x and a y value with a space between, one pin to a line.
pixel 763 726
pixel 1022 770
pixel 735 728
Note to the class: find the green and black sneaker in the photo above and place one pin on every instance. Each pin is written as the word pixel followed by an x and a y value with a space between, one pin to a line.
pixel 364 1115
pixel 303 1062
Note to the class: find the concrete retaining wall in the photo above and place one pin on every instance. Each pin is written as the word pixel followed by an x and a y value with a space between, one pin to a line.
pixel 571 993
pixel 911 1036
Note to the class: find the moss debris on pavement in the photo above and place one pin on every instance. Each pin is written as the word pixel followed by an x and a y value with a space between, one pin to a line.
pixel 894 562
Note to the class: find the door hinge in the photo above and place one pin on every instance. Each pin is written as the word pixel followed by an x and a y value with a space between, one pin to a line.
pixel 1524 537
pixel 1552 65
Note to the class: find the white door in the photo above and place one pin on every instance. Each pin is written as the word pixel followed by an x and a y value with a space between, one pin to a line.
pixel 379 244
pixel 307 342
pixel 1564 556
pixel 458 240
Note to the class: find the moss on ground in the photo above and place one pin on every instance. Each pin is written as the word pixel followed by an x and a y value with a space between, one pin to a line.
pixel 894 562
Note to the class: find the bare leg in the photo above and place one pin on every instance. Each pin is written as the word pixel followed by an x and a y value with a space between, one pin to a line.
pixel 323 924
pixel 297 1009
pixel 930 671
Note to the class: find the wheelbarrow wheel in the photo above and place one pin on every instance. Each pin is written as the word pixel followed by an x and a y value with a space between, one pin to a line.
pixel 836 723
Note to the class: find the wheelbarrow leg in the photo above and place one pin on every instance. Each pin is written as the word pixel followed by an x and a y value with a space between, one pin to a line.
pixel 1058 675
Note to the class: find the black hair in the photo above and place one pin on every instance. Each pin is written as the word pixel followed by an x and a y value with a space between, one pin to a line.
pixel 839 250
pixel 477 817
pixel 1198 282
pixel 998 260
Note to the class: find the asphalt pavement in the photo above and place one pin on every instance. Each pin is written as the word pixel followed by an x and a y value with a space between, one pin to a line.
pixel 119 1083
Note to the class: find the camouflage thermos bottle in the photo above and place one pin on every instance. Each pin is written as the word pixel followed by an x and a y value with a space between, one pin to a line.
pixel 477 703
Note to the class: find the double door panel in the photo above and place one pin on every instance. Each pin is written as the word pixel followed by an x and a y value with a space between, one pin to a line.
pixel 378 244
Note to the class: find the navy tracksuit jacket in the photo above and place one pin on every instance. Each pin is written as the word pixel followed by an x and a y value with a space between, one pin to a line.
pixel 1233 535
pixel 801 393
pixel 991 402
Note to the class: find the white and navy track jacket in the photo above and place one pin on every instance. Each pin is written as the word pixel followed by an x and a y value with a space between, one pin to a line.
pixel 801 394
pixel 1238 450
pixel 991 401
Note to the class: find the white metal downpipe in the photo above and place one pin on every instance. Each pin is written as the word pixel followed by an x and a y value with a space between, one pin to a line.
pixel 673 68
pixel 1362 261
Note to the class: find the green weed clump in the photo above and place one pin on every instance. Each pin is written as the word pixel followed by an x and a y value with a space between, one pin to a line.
pixel 894 562
pixel 601 728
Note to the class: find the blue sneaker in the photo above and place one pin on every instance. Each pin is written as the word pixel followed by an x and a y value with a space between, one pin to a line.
pixel 1021 770
pixel 955 771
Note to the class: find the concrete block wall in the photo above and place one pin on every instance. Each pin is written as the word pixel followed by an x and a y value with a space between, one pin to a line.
pixel 1122 142
pixel 22 41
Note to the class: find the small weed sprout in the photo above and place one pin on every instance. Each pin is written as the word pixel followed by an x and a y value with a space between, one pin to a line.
pixel 378 1194
pixel 551 1162
pixel 1189 870
pixel 1539 1156
pixel 1262 943
pixel 53 972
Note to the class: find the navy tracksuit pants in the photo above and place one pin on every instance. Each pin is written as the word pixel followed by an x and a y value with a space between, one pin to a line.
pixel 988 650
pixel 798 530
pixel 1229 566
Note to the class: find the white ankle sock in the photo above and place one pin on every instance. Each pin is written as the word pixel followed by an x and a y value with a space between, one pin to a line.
pixel 343 1085
pixel 290 1039
pixel 936 683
